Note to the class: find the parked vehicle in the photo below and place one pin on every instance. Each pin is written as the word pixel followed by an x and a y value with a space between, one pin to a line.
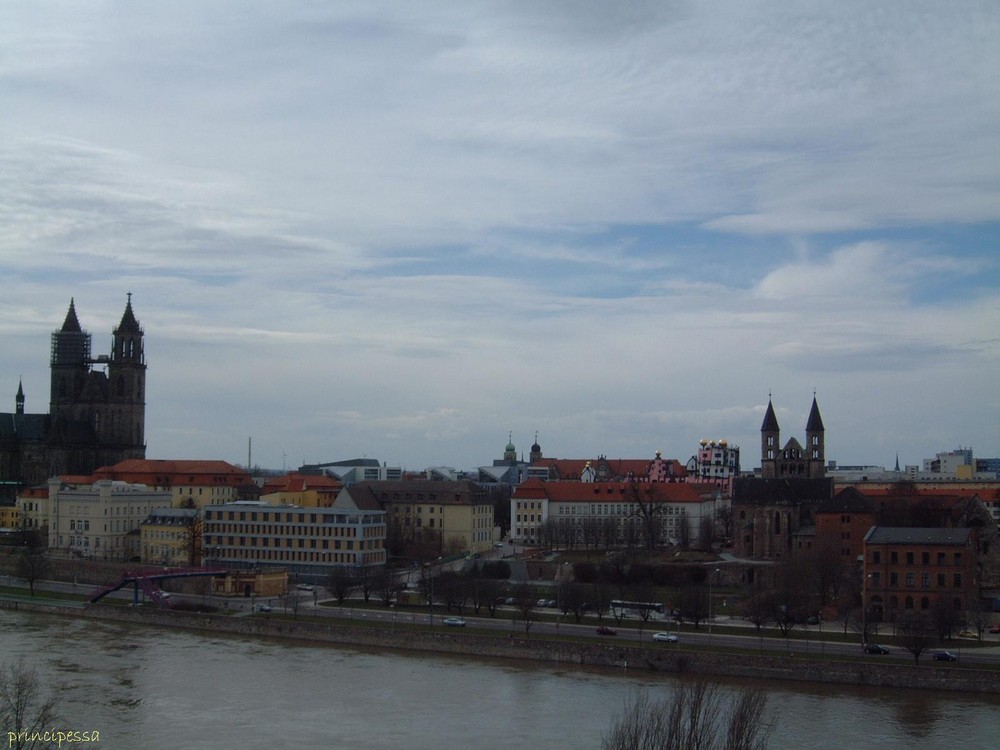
pixel 605 630
pixel 665 637
pixel 874 648
pixel 455 622
pixel 261 608
pixel 945 656
pixel 967 634
pixel 304 587
pixel 995 629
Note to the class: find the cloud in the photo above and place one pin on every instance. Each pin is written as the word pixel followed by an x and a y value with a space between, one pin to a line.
pixel 406 230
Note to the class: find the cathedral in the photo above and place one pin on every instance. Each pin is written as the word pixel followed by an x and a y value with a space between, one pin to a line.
pixel 97 410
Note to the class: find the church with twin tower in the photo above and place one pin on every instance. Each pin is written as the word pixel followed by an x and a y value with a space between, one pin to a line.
pixel 97 408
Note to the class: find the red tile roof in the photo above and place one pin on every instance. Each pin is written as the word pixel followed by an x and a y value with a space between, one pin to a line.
pixel 611 492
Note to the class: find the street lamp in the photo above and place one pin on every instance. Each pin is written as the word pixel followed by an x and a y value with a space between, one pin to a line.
pixel 710 600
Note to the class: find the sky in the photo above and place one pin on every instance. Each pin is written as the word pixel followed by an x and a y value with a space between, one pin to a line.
pixel 405 231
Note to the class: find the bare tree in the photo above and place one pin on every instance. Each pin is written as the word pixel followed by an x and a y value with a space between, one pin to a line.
pixel 25 714
pixel 386 584
pixel 692 719
pixel 914 633
pixel 758 608
pixel 600 599
pixel 978 615
pixel 33 565
pixel 524 604
pixel 340 583
pixel 647 508
pixel 944 618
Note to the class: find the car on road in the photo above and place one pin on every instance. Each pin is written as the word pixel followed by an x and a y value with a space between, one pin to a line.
pixel 874 648
pixel 967 634
pixel 261 608
pixel 304 587
pixel 944 656
pixel 995 629
pixel 455 622
pixel 665 637
pixel 605 630
pixel 498 545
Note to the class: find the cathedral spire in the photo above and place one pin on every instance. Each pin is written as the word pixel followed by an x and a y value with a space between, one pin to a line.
pixel 19 399
pixel 72 323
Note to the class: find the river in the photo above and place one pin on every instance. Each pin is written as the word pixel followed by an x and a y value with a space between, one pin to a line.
pixel 146 688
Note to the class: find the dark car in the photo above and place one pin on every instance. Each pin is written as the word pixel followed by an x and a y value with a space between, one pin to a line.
pixel 874 648
pixel 944 656
pixel 605 630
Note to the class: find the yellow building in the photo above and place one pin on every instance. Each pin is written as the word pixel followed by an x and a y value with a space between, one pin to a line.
pixel 304 490
pixel 171 537
pixel 458 513
pixel 10 517
pixel 33 506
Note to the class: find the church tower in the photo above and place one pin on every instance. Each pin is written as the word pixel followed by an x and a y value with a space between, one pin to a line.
pixel 125 419
pixel 770 434
pixel 814 441
pixel 19 402
pixel 536 451
pixel 69 365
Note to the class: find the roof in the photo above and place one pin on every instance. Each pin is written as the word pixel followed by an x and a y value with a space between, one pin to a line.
pixel 175 516
pixel 24 426
pixel 617 468
pixel 71 324
pixel 760 491
pixel 615 492
pixel 440 492
pixel 296 482
pixel 815 423
pixel 848 500
pixel 770 423
pixel 128 323
pixel 924 536
pixel 161 472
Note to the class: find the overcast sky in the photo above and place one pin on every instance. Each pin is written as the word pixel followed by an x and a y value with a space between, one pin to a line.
pixel 403 230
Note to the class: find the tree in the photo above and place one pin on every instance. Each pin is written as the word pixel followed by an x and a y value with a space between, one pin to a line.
pixel 944 618
pixel 647 508
pixel 978 615
pixel 386 584
pixel 758 608
pixel 340 583
pixel 600 599
pixel 524 606
pixel 33 565
pixel 693 604
pixel 692 719
pixel 24 711
pixel 914 633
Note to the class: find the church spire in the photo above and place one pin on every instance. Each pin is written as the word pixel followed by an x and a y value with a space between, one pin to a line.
pixel 72 323
pixel 19 399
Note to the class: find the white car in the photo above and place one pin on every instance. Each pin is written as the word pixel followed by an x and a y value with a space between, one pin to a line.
pixel 455 622
pixel 665 637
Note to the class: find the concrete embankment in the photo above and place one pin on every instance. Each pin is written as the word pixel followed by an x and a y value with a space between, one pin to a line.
pixel 670 659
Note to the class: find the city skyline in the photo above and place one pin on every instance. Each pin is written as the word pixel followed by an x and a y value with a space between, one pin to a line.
pixel 359 229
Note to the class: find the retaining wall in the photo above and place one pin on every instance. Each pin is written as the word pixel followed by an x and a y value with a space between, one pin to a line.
pixel 668 659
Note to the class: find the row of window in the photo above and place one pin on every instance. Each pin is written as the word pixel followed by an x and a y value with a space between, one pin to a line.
pixel 910 579
pixel 911 557
pixel 288 542
pixel 283 530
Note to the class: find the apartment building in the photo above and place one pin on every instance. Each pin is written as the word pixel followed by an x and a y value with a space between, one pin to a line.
pixel 309 542
pixel 101 519
pixel 910 569
pixel 459 513
pixel 171 537
pixel 536 501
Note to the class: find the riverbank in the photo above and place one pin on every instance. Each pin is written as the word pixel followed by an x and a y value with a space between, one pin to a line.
pixel 670 660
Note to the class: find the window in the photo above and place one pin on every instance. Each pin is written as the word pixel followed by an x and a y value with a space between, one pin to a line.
pixel 876 579
pixel 957 580
pixel 894 579
pixel 925 558
pixel 925 580
pixel 909 558
pixel 958 558
pixel 909 580
pixel 876 557
pixel 894 557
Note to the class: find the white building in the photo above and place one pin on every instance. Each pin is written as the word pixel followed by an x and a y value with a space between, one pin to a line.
pixel 677 503
pixel 100 520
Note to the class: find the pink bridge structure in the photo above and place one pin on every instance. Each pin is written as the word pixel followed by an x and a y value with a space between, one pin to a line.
pixel 146 580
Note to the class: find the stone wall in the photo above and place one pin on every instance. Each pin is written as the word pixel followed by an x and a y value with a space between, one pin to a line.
pixel 666 659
